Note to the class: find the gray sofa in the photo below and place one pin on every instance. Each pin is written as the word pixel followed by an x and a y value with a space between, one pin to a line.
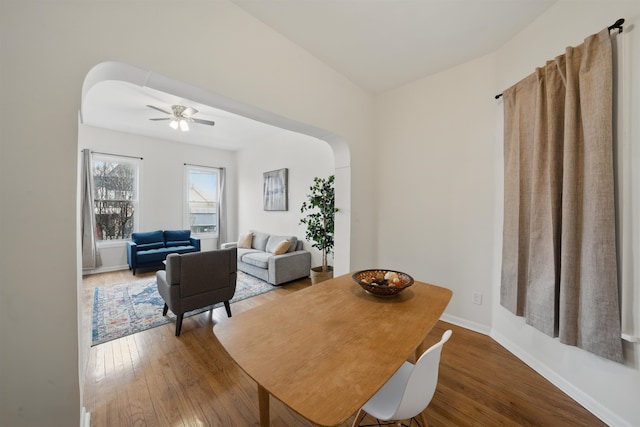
pixel 258 259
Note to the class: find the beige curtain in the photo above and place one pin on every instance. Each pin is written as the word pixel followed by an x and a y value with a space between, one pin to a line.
pixel 222 208
pixel 90 254
pixel 559 267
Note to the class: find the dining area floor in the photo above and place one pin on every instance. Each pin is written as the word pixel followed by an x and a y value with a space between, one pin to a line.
pixel 153 378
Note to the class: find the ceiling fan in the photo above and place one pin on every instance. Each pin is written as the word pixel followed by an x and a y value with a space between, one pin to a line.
pixel 180 116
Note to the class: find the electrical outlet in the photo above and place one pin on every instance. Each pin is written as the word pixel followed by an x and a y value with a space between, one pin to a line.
pixel 477 298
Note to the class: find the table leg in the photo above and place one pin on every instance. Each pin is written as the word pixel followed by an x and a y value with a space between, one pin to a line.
pixel 263 405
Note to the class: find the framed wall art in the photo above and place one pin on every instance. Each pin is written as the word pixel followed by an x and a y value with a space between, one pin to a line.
pixel 274 190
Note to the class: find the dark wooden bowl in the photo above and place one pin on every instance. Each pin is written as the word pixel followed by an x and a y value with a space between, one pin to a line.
pixel 372 281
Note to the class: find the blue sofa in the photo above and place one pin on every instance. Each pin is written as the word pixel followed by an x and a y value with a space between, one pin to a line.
pixel 150 248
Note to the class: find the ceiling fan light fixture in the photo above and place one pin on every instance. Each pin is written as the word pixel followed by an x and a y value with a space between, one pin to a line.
pixel 180 117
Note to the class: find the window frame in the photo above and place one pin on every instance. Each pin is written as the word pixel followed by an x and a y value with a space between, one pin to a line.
pixel 137 166
pixel 186 221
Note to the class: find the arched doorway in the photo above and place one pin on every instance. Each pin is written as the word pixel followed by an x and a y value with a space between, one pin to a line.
pixel 121 72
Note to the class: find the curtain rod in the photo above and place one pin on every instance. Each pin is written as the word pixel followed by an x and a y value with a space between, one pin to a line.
pixel 116 155
pixel 203 166
pixel 615 26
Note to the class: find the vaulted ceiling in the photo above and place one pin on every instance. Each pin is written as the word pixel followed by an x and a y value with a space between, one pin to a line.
pixel 382 44
pixel 377 44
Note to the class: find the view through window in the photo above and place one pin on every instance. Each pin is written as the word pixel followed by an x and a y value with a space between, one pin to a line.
pixel 115 182
pixel 202 192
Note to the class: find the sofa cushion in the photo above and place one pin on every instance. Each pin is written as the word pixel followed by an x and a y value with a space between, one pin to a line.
pixel 245 240
pixel 293 240
pixel 174 243
pixel 180 249
pixel 152 255
pixel 257 258
pixel 242 252
pixel 259 240
pixel 148 237
pixel 147 246
pixel 176 236
pixel 276 240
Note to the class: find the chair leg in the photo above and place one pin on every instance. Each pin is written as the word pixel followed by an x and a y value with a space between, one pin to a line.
pixel 227 307
pixel 179 324
pixel 359 417
pixel 421 420
pixel 165 309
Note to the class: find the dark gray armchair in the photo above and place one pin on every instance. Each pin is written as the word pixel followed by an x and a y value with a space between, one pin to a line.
pixel 197 280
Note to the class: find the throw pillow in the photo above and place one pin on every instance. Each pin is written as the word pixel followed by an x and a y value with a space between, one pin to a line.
pixel 281 247
pixel 274 240
pixel 244 241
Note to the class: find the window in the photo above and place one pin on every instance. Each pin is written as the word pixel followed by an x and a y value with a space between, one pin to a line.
pixel 202 193
pixel 115 184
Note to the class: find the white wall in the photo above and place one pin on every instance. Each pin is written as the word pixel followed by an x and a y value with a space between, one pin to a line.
pixel 47 49
pixel 609 389
pixel 161 181
pixel 305 158
pixel 435 184
pixel 439 205
pixel 49 46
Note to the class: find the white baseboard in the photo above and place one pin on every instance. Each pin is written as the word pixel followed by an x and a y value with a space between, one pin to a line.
pixel 569 389
pixel 105 269
pixel 467 324
pixel 85 418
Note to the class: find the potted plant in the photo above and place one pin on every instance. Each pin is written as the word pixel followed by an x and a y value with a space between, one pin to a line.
pixel 320 214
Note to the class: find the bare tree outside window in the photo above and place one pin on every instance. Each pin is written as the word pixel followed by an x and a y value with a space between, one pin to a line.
pixel 115 183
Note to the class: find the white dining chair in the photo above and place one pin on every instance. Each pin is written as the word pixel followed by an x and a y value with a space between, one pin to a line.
pixel 408 392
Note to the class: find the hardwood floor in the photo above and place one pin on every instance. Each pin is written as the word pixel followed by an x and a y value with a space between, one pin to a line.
pixel 156 379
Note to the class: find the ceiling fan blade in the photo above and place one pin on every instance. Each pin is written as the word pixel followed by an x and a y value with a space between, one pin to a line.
pixel 163 118
pixel 204 122
pixel 159 109
pixel 189 111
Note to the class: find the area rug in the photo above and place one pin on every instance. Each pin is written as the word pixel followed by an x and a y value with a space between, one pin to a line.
pixel 126 308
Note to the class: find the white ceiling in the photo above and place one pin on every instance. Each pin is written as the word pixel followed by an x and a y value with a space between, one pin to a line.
pixel 377 44
pixel 122 106
pixel 381 44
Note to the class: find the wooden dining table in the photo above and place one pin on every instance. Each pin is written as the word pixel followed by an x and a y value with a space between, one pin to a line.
pixel 325 350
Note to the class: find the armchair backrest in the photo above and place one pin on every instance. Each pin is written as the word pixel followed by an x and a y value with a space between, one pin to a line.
pixel 199 272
